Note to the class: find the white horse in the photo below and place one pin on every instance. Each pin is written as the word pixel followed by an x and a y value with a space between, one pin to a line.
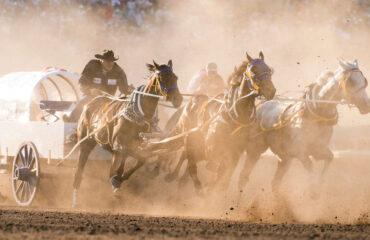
pixel 304 129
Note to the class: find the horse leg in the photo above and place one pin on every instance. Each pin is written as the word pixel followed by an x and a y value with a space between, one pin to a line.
pixel 281 170
pixel 157 166
pixel 116 169
pixel 85 150
pixel 252 158
pixel 139 164
pixel 173 175
pixel 327 155
pixel 184 178
pixel 231 159
pixel 308 165
pixel 193 172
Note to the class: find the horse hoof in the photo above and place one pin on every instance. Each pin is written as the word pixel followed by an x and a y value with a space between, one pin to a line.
pixel 116 181
pixel 116 192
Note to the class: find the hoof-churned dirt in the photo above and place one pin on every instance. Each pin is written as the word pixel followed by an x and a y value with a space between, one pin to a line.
pixel 39 224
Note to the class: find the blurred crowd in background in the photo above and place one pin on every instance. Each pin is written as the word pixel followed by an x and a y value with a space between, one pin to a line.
pixel 114 12
pixel 136 13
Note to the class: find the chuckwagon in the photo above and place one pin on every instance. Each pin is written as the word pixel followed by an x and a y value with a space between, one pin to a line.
pixel 32 129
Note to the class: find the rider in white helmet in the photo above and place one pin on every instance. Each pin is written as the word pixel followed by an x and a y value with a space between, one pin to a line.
pixel 207 81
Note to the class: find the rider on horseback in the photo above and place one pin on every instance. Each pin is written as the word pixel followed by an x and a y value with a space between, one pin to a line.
pixel 207 81
pixel 101 75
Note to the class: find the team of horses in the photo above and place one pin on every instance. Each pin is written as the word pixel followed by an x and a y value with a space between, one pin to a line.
pixel 219 129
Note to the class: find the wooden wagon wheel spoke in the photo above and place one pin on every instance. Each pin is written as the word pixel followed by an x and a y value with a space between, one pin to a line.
pixel 33 180
pixel 29 189
pixel 32 162
pixel 26 156
pixel 33 170
pixel 30 158
pixel 19 187
pixel 17 166
pixel 26 190
pixel 22 193
pixel 22 158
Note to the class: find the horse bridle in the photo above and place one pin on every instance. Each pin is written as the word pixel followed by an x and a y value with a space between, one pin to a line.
pixel 163 90
pixel 343 82
pixel 252 81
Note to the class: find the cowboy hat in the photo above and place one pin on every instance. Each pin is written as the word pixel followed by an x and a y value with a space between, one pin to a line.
pixel 107 55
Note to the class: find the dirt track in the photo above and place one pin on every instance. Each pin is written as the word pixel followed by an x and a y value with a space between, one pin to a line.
pixel 20 223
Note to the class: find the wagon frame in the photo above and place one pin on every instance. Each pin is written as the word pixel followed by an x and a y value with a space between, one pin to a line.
pixel 33 131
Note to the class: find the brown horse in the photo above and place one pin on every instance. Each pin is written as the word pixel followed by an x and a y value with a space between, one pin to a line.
pixel 229 132
pixel 203 111
pixel 121 136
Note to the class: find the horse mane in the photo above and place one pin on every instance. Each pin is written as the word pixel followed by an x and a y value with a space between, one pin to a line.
pixel 149 84
pixel 321 81
pixel 238 72
pixel 324 77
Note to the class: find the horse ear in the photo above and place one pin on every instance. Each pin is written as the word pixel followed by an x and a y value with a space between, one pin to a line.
pixel 150 67
pixel 155 65
pixel 250 59
pixel 261 55
pixel 342 63
pixel 170 63
pixel 355 63
pixel 235 69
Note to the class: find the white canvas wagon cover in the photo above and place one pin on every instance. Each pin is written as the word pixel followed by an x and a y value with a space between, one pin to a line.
pixel 22 92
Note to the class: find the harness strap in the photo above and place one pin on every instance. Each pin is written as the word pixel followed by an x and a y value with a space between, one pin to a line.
pixel 250 81
pixel 284 122
pixel 202 110
pixel 133 112
pixel 317 116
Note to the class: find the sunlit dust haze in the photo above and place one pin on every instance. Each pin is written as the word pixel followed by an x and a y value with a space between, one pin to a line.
pixel 299 39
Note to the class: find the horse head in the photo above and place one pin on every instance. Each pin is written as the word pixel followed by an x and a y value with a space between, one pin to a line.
pixel 257 77
pixel 353 85
pixel 165 82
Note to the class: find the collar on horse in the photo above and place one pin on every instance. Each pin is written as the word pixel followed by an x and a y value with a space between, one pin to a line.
pixel 318 117
pixel 231 115
pixel 133 111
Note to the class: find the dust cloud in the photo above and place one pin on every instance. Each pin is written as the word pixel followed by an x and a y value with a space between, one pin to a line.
pixel 300 39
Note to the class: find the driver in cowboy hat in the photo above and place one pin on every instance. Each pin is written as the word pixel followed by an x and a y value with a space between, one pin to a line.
pixel 101 75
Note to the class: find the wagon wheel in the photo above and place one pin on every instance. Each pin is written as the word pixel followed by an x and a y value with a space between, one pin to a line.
pixel 25 174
